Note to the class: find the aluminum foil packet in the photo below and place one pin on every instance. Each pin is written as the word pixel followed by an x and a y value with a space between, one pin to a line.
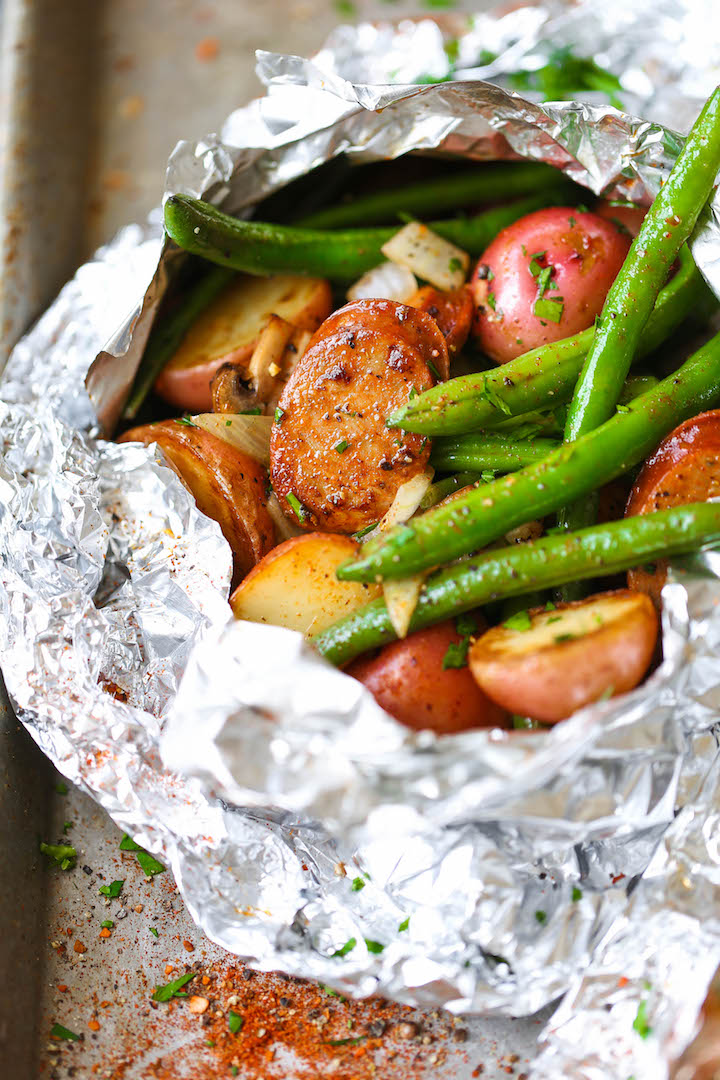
pixel 307 830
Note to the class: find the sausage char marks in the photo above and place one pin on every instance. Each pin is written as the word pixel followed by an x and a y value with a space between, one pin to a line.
pixel 330 451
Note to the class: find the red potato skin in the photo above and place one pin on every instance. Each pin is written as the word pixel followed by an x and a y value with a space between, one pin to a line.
pixel 452 311
pixel 407 679
pixel 361 364
pixel 555 681
pixel 627 218
pixel 227 485
pixel 685 468
pixel 585 252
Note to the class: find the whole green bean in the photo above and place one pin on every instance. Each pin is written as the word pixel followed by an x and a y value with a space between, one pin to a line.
pixel 544 377
pixel 483 183
pixel 545 563
pixel 501 453
pixel 483 514
pixel 447 486
pixel 166 335
pixel 635 385
pixel 260 248
pixel 665 228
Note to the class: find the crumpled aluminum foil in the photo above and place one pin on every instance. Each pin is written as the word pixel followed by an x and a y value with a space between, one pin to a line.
pixel 484 872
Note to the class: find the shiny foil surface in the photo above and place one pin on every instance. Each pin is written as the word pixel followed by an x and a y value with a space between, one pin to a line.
pixel 307 830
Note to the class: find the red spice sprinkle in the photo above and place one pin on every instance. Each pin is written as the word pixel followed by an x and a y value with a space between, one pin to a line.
pixel 207 49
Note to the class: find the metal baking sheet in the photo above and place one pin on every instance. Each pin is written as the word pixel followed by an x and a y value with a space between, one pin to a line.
pixel 115 85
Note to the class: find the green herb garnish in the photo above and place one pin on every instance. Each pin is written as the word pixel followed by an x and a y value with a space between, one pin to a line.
pixel 185 421
pixel 357 884
pixel 373 946
pixel 519 621
pixel 551 310
pixel 576 894
pixel 404 925
pixel 456 655
pixel 455 264
pixel 108 924
pixel 296 506
pixel 346 948
pixel 154 932
pixel 235 1022
pixel 173 989
pixel 148 863
pixel 640 1023
pixel 57 1031
pixel 61 787
pixel 279 413
pixel 541 917
pixel 113 890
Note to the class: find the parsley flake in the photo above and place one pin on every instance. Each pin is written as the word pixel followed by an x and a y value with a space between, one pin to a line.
pixel 279 413
pixel 185 421
pixel 154 932
pixel 552 310
pixel 341 446
pixel 541 917
pixel 373 946
pixel 108 924
pixel 519 621
pixel 235 1022
pixel 113 890
pixel 456 655
pixel 57 1031
pixel 61 788
pixel 173 989
pixel 640 1023
pixel 346 948
pixel 148 863
pixel 357 884
pixel 576 894
pixel 404 925
pixel 454 264
pixel 297 507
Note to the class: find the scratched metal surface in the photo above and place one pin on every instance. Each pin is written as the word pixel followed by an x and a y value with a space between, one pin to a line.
pixel 92 99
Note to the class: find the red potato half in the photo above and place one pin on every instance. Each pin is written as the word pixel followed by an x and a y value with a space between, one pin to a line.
pixel 452 311
pixel 568 657
pixel 295 585
pixel 408 680
pixel 335 466
pixel 227 485
pixel 228 330
pixel 572 258
pixel 685 468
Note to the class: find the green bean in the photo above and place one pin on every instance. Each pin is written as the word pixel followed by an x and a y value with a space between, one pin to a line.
pixel 447 486
pixel 544 377
pixel 483 183
pixel 630 301
pixel 525 425
pixel 635 385
pixel 168 332
pixel 631 298
pixel 501 453
pixel 545 563
pixel 483 514
pixel 259 248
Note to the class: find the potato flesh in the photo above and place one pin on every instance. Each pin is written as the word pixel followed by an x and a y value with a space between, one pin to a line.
pixel 295 585
pixel 566 623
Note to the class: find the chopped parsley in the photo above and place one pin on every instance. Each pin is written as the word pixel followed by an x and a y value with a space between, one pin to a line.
pixel 345 7
pixel 554 618
pixel 488 475
pixel 113 890
pixel 148 863
pixel 357 884
pixel 550 606
pixel 173 989
pixel 434 370
pixel 413 393
pixel 228 423
pixel 404 925
pixel 68 826
pixel 330 992
pixel 524 723
pixel 560 638
pixel 373 946
pixel 541 917
pixel 341 446
pixel 640 1023
pixel 519 621
pixel 279 413
pixel 297 507
pixel 61 787
pixel 465 624
pixel 491 301
pixel 346 948
pixel 354 1040
pixel 154 932
pixel 455 264
pixel 572 222
pixel 576 894
pixel 185 421
pixel 624 408
pixel 551 310
pixel 57 1031
pixel 108 924
pixel 256 411
pixel 235 1022
pixel 63 855
pixel 456 655
pixel 363 532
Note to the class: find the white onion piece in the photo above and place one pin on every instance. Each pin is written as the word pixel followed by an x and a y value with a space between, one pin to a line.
pixel 251 434
pixel 401 599
pixel 406 502
pixel 428 256
pixel 388 281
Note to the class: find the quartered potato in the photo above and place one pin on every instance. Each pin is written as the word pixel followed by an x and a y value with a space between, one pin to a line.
pixel 228 329
pixel 227 485
pixel 295 585
pixel 335 465
pixel 424 683
pixel 568 657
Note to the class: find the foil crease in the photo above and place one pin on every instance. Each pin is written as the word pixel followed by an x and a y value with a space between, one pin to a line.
pixel 488 872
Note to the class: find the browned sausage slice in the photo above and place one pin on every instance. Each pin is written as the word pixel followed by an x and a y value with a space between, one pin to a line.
pixel 452 311
pixel 334 464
